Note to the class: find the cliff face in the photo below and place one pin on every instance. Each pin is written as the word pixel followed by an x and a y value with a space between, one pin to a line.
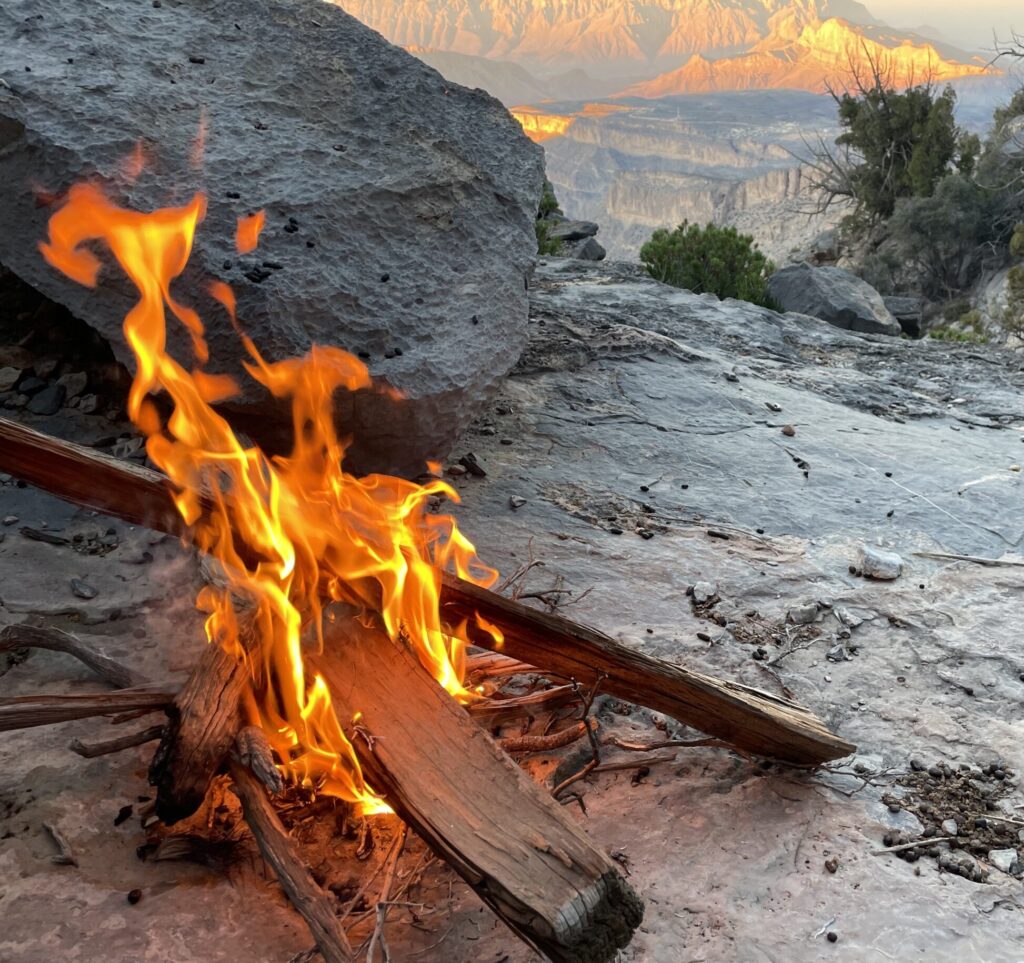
pixel 721 157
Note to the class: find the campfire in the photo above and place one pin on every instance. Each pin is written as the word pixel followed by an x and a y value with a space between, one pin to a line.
pixel 347 619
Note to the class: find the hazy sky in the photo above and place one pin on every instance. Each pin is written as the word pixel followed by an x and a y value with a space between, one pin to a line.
pixel 964 22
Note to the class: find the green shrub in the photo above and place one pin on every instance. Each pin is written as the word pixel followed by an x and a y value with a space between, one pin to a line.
pixel 1013 315
pixel 548 202
pixel 547 246
pixel 964 326
pixel 709 260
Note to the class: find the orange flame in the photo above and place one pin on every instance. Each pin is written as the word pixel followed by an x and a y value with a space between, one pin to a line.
pixel 247 235
pixel 281 527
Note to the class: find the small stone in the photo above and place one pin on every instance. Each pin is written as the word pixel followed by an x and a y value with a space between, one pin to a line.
pixel 9 378
pixel 832 864
pixel 88 404
pixel 456 471
pixel 11 520
pixel 45 368
pixel 877 564
pixel 1003 859
pixel 772 406
pixel 788 430
pixel 1014 467
pixel 704 592
pixel 31 385
pixel 74 383
pixel 832 936
pixel 917 765
pixel 48 401
pixel 83 589
pixel 516 502
pixel 949 827
pixel 134 896
pixel 729 376
pixel 803 614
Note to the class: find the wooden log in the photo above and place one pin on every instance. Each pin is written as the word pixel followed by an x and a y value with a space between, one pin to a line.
pixel 24 712
pixel 747 718
pixel 472 804
pixel 203 722
pixel 43 637
pixel 312 903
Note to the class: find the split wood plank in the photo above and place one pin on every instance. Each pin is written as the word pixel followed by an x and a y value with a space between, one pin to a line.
pixel 514 845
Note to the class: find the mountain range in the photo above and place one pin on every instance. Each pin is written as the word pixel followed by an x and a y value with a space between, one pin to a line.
pixel 635 40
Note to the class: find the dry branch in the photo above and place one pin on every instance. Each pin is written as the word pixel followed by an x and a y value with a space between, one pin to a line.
pixel 497 712
pixel 312 903
pixel 747 718
pixel 24 712
pixel 41 637
pixel 93 749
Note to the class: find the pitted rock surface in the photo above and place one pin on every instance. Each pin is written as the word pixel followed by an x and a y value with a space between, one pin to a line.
pixel 399 206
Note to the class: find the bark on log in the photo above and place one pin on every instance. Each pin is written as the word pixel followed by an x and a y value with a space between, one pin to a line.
pixel 747 718
pixel 202 725
pixel 312 903
pixel 24 712
pixel 472 804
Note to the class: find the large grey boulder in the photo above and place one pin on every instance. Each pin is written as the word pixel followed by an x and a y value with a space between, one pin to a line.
pixel 399 206
pixel 908 312
pixel 834 295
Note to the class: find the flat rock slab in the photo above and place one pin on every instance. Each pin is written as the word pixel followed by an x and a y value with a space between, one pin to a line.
pixel 399 206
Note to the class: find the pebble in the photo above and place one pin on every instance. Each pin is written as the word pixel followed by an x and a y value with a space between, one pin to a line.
pixel 704 592
pixel 832 864
pixel 803 614
pixel 1003 859
pixel 74 383
pixel 87 404
pixel 48 401
pixel 134 896
pixel 949 827
pixel 11 520
pixel 83 589
pixel 788 430
pixel 516 502
pixel 9 378
pixel 832 936
pixel 45 368
pixel 877 564
pixel 456 470
pixel 917 765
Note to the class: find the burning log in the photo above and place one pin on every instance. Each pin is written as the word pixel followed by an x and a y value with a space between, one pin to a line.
pixel 752 721
pixel 203 723
pixel 471 804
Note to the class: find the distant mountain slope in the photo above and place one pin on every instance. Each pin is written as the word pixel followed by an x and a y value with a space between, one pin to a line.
pixel 509 82
pixel 827 52
pixel 621 35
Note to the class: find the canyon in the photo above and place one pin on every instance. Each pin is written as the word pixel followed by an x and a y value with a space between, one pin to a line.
pixel 668 110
